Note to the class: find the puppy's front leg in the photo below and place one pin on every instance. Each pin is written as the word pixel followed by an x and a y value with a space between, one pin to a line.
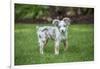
pixel 65 42
pixel 56 47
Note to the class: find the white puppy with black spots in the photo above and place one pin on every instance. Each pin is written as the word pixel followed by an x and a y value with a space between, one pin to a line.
pixel 58 33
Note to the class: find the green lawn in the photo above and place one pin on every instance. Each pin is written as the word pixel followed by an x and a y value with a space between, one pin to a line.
pixel 80 38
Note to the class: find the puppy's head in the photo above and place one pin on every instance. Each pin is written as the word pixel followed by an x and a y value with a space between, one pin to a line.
pixel 62 24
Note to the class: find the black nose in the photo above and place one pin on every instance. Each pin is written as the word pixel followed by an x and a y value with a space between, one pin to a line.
pixel 62 31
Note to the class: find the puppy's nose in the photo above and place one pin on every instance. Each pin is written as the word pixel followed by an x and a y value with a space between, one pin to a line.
pixel 62 31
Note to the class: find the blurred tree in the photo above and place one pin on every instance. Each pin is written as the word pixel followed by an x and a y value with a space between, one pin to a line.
pixel 30 11
pixel 34 12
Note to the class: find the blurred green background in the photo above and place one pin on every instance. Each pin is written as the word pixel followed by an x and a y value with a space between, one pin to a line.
pixel 26 13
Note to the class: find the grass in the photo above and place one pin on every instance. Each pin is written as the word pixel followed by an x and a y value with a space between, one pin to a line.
pixel 81 45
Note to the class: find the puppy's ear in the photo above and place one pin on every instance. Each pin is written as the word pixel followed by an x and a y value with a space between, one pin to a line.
pixel 67 20
pixel 55 22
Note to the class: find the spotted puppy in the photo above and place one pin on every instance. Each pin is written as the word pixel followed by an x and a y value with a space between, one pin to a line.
pixel 58 33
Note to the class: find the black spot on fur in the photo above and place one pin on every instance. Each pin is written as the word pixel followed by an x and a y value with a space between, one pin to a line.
pixel 45 29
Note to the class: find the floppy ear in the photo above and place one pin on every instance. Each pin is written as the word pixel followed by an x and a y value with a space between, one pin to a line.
pixel 67 20
pixel 55 22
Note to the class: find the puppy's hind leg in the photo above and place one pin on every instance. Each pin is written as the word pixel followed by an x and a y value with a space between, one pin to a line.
pixel 41 47
pixel 45 45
